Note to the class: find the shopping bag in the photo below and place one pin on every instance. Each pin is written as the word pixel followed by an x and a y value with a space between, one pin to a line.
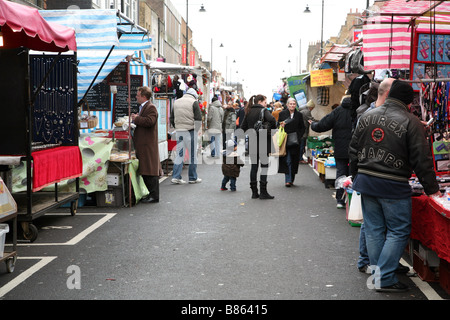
pixel 280 150
pixel 355 211
pixel 281 136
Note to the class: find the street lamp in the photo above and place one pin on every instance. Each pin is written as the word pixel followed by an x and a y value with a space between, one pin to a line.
pixel 300 55
pixel 321 31
pixel 202 9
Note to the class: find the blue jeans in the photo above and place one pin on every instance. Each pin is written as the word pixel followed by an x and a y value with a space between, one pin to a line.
pixel 186 140
pixel 215 144
pixel 387 224
pixel 363 259
pixel 289 177
pixel 232 182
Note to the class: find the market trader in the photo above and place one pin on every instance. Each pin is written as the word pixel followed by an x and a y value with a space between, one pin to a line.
pixel 145 139
pixel 388 144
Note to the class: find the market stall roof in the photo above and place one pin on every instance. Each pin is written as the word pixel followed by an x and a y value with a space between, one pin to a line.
pixel 24 26
pixel 104 39
pixel 163 67
pixel 336 53
pixel 387 36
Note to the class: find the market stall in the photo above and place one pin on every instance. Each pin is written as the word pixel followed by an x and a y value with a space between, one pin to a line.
pixel 37 101
pixel 110 66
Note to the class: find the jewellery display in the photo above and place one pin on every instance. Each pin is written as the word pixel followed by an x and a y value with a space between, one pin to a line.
pixel 55 102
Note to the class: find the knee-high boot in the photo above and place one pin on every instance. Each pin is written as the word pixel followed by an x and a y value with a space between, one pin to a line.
pixel 254 187
pixel 264 194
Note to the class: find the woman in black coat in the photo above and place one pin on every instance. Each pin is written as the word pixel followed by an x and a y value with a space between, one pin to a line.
pixel 341 121
pixel 252 114
pixel 292 121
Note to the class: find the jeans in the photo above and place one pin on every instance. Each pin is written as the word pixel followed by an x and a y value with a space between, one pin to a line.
pixel 387 224
pixel 341 170
pixel 302 147
pixel 232 182
pixel 363 259
pixel 289 177
pixel 186 140
pixel 215 144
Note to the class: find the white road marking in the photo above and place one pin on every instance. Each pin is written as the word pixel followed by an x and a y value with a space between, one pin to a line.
pixel 26 274
pixel 423 286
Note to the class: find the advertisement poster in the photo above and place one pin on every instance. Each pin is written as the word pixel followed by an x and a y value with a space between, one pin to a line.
pixel 297 88
pixel 321 78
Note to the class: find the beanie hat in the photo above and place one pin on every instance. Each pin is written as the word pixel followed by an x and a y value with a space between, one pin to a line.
pixel 402 91
pixel 192 92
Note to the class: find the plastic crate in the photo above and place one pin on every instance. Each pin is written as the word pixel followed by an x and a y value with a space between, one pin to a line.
pixel 444 275
pixel 4 229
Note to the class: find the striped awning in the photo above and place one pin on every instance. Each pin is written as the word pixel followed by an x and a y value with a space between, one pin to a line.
pixel 97 32
pixel 387 37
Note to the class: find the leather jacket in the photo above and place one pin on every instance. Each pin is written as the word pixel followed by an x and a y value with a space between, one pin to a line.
pixel 389 142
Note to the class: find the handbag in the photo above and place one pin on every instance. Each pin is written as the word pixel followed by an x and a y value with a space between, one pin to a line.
pixel 355 210
pixel 261 124
pixel 292 140
pixel 280 147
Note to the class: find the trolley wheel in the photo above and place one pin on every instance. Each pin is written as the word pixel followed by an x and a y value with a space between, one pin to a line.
pixel 10 264
pixel 73 207
pixel 30 232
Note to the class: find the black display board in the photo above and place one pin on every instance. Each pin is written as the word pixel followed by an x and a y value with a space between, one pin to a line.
pixel 121 98
pixel 119 76
pixel 98 97
pixel 14 106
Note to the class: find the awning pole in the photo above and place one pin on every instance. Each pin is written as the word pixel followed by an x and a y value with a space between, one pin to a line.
pixel 98 72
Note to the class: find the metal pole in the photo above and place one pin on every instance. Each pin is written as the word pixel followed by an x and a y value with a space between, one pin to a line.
pixel 321 35
pixel 187 32
pixel 300 57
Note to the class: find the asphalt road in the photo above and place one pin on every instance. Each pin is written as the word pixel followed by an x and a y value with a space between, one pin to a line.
pixel 200 243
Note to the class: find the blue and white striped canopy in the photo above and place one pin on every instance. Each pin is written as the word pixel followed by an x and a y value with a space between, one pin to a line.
pixel 97 31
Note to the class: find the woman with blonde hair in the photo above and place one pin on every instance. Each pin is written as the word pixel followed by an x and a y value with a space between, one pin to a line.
pixel 277 108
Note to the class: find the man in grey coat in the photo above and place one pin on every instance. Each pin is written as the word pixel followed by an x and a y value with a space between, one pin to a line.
pixel 215 119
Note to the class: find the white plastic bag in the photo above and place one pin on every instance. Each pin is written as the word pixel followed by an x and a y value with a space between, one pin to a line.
pixel 355 211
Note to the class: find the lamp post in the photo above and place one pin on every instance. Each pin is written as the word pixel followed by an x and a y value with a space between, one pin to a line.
pixel 202 9
pixel 321 31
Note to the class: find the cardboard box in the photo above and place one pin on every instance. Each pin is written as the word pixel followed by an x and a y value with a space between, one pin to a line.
pixel 113 197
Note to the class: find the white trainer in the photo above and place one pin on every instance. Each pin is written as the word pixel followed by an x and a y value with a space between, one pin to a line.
pixel 196 181
pixel 178 181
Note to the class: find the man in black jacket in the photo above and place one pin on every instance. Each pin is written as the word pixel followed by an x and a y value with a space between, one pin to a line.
pixel 388 144
pixel 340 120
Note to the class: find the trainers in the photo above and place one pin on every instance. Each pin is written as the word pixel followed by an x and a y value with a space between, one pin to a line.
pixel 195 181
pixel 397 287
pixel 340 206
pixel 402 269
pixel 178 181
pixel 223 189
pixel 365 269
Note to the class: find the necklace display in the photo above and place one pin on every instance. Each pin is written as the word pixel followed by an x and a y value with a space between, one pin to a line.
pixel 54 105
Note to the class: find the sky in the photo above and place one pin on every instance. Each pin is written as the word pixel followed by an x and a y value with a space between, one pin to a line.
pixel 256 35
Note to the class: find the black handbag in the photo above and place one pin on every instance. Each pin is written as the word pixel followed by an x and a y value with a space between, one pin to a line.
pixel 292 140
pixel 261 124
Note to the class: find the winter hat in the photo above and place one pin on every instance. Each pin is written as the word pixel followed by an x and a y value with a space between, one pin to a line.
pixel 310 104
pixel 192 92
pixel 402 91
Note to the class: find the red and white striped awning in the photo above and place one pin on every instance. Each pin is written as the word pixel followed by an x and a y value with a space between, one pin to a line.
pixel 387 37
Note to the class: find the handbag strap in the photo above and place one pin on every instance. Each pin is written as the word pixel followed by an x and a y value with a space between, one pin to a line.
pixel 261 115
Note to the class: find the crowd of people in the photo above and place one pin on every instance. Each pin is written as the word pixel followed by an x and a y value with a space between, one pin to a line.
pixel 378 144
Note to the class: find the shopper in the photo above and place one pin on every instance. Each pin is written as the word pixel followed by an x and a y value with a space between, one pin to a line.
pixel 278 107
pixel 231 166
pixel 187 121
pixel 305 110
pixel 214 122
pixel 229 122
pixel 340 121
pixel 259 144
pixel 240 113
pixel 382 91
pixel 145 139
pixel 292 122
pixel 389 144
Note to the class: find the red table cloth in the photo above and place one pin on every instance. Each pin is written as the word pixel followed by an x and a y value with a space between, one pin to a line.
pixel 431 225
pixel 55 165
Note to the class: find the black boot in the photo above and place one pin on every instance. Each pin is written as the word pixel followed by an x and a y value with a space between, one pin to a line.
pixel 264 194
pixel 254 187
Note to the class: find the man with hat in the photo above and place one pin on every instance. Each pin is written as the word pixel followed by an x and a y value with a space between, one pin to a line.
pixel 305 110
pixel 388 144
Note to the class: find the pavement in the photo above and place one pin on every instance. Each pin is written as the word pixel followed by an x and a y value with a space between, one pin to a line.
pixel 201 243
